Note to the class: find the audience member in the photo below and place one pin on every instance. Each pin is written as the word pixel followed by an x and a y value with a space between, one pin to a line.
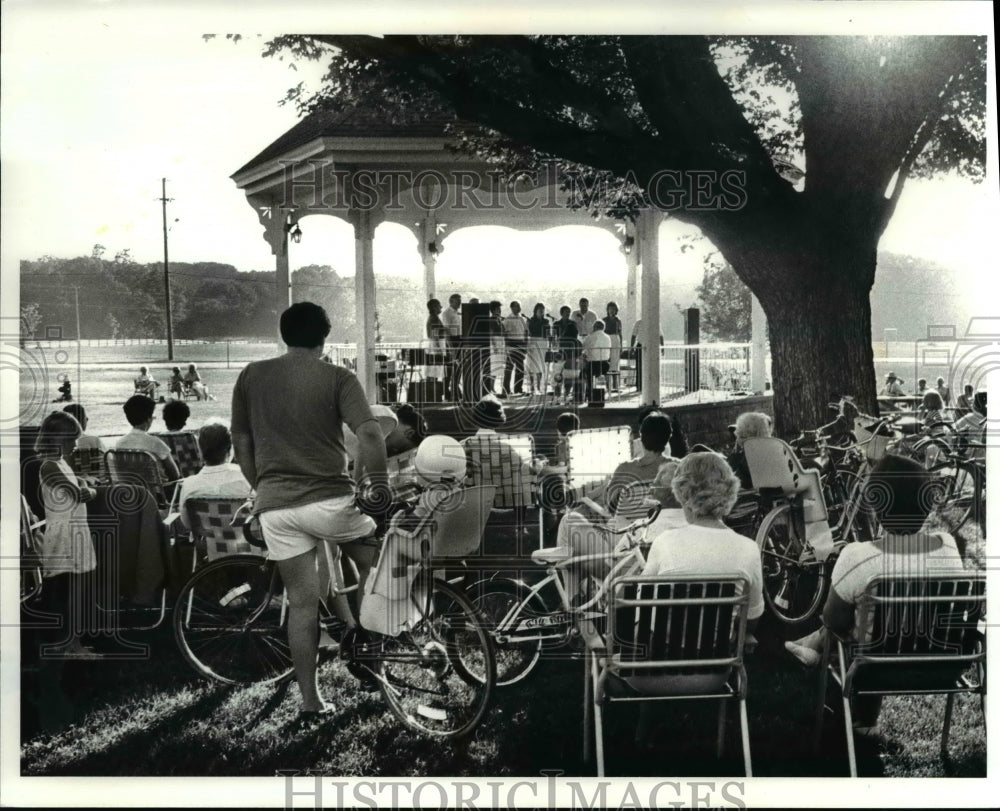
pixel 288 415
pixel 515 335
pixel 65 391
pixel 944 390
pixel 193 379
pixel 565 422
pixel 706 489
pixel 220 477
pixel 893 386
pixel 613 328
pixel 591 537
pixel 175 415
pixel 85 441
pixel 570 375
pixel 175 385
pixel 748 424
pixel 408 433
pixel 145 384
pixel 905 548
pixel 963 405
pixel 67 552
pixel 140 413
pixel 654 434
pixel 437 338
pixel 482 450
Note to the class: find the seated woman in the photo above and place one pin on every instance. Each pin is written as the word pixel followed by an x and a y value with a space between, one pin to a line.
pixel 587 522
pixel 193 379
pixel 906 548
pixel 145 384
pixel 706 488
pixel 585 538
pixel 654 436
pixel 175 385
pixel 748 424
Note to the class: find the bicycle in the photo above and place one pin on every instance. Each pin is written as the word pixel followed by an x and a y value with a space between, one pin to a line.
pixel 796 580
pixel 521 621
pixel 959 467
pixel 436 673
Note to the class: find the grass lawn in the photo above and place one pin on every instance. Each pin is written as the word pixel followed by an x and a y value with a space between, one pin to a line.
pixel 103 380
pixel 153 716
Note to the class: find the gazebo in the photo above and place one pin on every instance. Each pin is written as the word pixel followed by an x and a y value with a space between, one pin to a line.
pixel 359 166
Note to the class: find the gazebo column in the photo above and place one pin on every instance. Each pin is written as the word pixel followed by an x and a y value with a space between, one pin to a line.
pixel 364 296
pixel 649 239
pixel 631 251
pixel 429 237
pixel 275 221
pixel 758 346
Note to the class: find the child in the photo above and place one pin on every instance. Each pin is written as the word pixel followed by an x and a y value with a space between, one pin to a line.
pixel 67 550
pixel 571 378
pixel 440 465
pixel 565 422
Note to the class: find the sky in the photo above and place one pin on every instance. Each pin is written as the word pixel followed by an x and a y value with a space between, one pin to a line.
pixel 100 104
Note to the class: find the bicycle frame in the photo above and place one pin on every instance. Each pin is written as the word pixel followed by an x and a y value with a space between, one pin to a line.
pixel 514 627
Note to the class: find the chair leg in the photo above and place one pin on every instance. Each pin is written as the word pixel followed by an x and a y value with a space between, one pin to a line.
pixel 849 726
pixel 745 734
pixel 599 738
pixel 587 706
pixel 822 677
pixel 720 734
pixel 948 707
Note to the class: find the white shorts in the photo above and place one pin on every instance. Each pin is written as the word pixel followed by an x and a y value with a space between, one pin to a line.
pixel 292 531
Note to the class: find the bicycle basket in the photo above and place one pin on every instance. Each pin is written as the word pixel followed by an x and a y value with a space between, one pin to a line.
pixel 875 442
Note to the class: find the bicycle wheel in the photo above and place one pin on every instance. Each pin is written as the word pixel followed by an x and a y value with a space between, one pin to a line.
pixel 958 496
pixel 845 486
pixel 495 598
pixel 229 622
pixel 794 582
pixel 438 677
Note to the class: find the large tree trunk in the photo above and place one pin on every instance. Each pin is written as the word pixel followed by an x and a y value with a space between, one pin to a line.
pixel 815 290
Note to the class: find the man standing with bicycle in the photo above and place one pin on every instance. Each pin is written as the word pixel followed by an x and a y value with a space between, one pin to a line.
pixel 287 424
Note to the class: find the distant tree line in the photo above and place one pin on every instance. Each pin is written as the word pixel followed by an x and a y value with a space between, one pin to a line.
pixel 121 298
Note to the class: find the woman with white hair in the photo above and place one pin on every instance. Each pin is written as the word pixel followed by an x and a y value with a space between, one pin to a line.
pixel 748 424
pixel 706 488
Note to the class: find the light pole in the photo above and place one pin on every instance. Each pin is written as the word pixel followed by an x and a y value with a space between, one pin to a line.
pixel 166 274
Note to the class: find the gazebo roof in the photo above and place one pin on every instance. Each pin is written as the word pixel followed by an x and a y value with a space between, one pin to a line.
pixel 355 122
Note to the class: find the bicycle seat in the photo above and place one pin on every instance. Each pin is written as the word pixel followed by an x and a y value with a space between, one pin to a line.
pixel 553 554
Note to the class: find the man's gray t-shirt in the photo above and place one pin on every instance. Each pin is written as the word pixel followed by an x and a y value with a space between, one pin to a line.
pixel 293 407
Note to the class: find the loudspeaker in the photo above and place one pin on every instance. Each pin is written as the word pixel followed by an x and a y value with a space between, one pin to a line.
pixel 475 324
pixel 597 395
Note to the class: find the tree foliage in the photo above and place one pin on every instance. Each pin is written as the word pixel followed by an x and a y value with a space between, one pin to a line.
pixel 858 115
pixel 725 303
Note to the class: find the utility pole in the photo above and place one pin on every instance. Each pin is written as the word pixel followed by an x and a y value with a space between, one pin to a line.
pixel 76 300
pixel 166 274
